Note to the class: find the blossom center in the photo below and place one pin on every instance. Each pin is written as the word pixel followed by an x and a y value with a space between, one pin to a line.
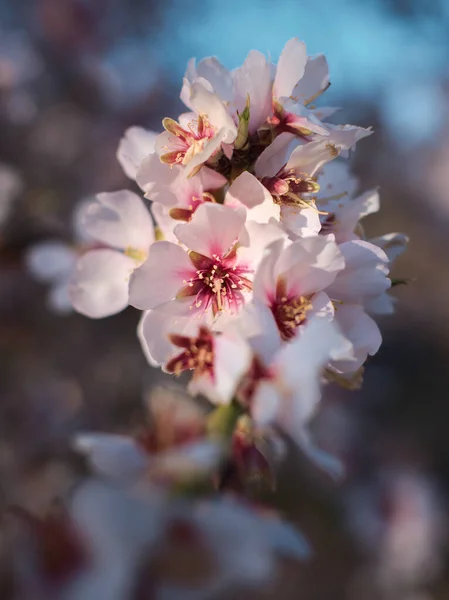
pixel 188 142
pixel 289 311
pixel 219 282
pixel 197 354
pixel 289 188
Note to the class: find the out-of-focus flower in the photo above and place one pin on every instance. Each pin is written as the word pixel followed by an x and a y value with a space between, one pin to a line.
pixel 123 226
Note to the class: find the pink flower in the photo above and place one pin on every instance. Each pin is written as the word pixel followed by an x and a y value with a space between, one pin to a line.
pixel 135 145
pixel 209 280
pixel 284 391
pixel 99 283
pixel 197 137
pixel 288 291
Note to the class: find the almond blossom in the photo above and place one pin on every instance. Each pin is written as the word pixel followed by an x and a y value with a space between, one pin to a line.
pixel 121 222
pixel 258 284
pixel 208 280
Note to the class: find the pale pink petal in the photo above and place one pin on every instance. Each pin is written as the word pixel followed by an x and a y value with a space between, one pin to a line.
pixel 253 79
pixel 120 219
pixel 232 357
pixel 116 456
pixel 365 273
pixel 258 326
pixel 298 366
pixel 275 156
pixel 298 115
pixel 393 244
pixel 361 331
pixel 348 213
pixel 161 276
pixel 211 180
pixel 310 264
pixel 155 178
pixel 166 225
pixel 50 261
pixel 218 76
pixel 208 103
pixel 178 316
pixel 261 235
pixel 265 279
pixel 383 304
pixel 213 229
pixel 290 68
pixel 302 222
pixel 335 178
pixel 209 148
pixel 58 298
pixel 248 190
pixel 314 80
pixel 346 136
pixel 189 76
pixel 134 146
pixel 321 307
pixel 311 156
pixel 99 284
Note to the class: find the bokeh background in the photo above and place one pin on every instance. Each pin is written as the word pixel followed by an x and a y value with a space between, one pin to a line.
pixel 73 75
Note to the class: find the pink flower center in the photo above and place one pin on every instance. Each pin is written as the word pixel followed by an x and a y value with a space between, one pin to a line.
pixel 197 354
pixel 218 282
pixel 187 142
pixel 289 188
pixel 289 311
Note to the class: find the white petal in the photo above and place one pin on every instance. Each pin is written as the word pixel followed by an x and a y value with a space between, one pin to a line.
pixel 393 244
pixel 99 284
pixel 120 219
pixel 384 304
pixel 310 157
pixel 164 222
pixel 303 222
pixel 253 79
pixel 259 328
pixel 50 261
pixel 156 178
pixel 310 264
pixel 361 331
pixel 208 103
pixel 290 68
pixel 161 276
pixel 365 273
pixel 134 146
pixel 261 235
pixel 336 178
pixel 232 357
pixel 315 79
pixel 248 190
pixel 321 307
pixel 59 298
pixel 275 156
pixel 213 229
pixel 112 455
pixel 346 136
pixel 218 76
pixel 176 316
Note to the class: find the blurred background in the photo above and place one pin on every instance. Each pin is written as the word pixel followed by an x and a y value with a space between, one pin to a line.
pixel 73 75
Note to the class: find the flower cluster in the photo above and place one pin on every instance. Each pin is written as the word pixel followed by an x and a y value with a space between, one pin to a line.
pixel 257 278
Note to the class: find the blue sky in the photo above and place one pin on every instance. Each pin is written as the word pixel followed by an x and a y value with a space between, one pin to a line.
pixel 372 53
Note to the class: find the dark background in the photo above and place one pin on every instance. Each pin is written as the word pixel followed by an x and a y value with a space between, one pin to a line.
pixel 73 75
